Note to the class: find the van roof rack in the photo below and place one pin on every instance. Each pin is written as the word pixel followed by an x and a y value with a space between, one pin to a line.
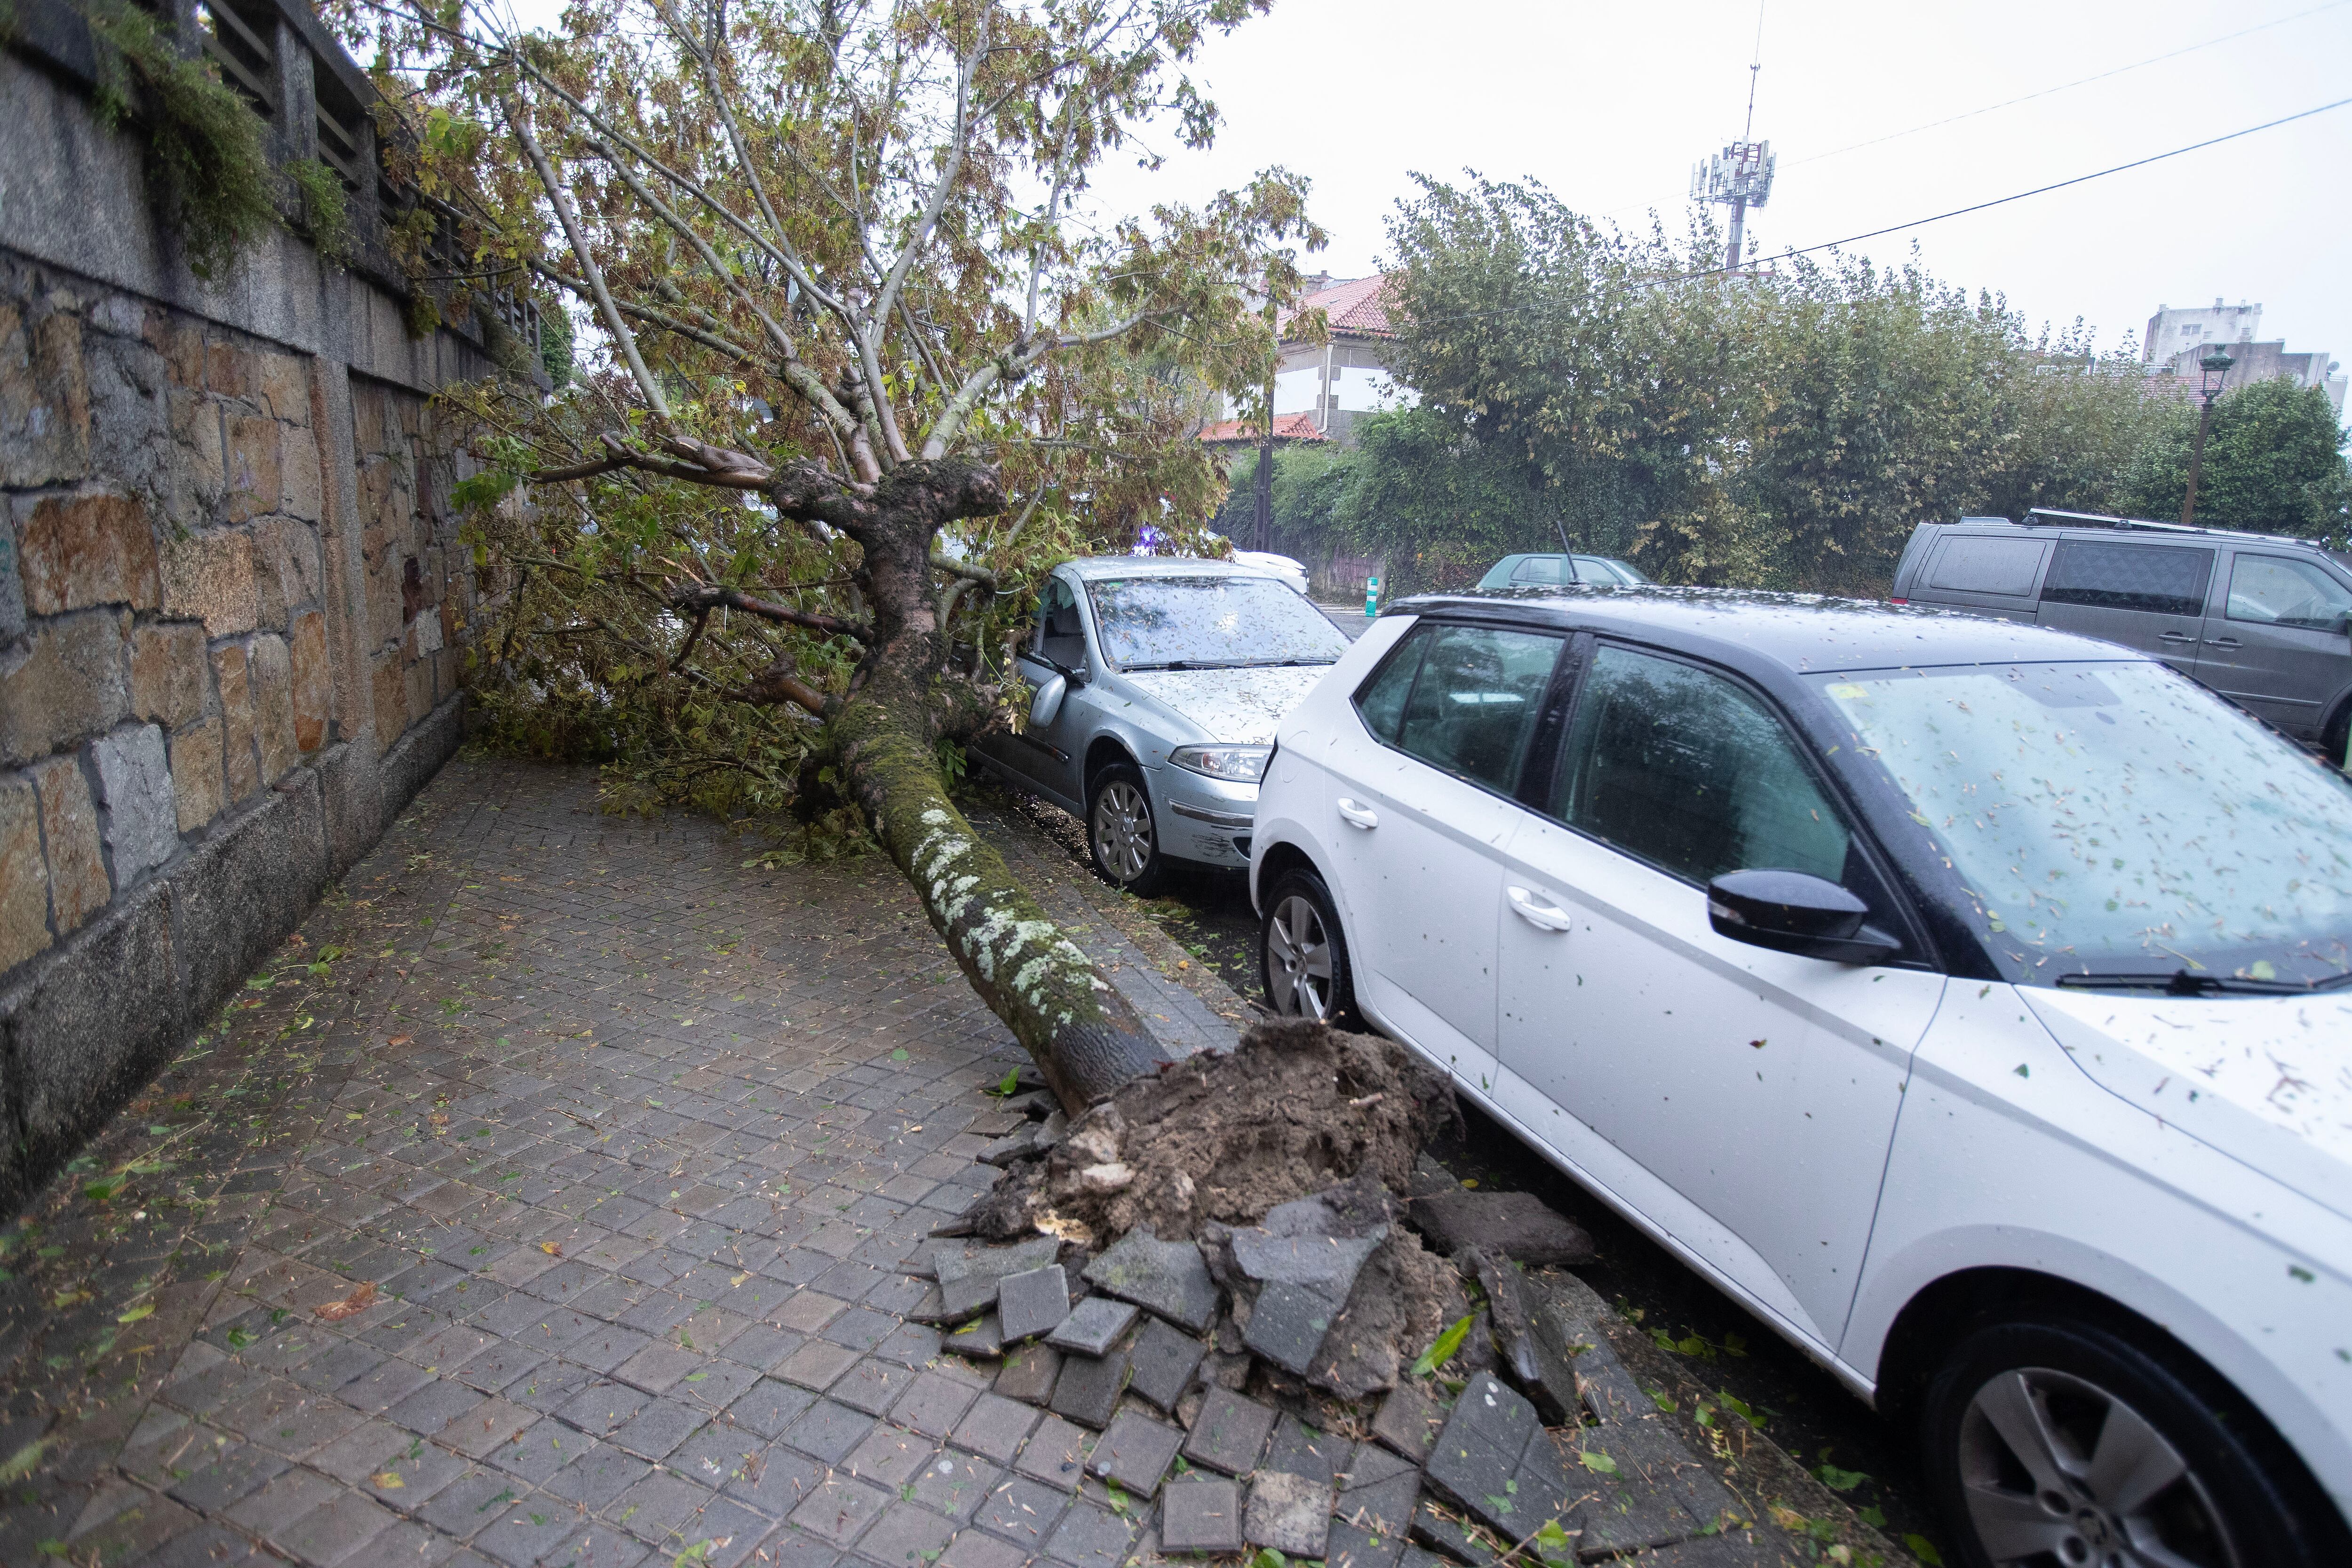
pixel 2048 517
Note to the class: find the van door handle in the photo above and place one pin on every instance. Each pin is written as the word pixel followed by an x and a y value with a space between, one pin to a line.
pixel 1357 814
pixel 2186 636
pixel 1543 917
pixel 2224 642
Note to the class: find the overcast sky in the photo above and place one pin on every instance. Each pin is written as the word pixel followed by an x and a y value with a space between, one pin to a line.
pixel 1610 105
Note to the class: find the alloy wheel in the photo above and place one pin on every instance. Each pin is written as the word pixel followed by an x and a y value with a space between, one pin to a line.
pixel 1298 960
pixel 2055 1469
pixel 1123 830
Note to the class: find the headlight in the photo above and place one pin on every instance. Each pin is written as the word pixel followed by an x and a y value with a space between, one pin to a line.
pixel 1235 764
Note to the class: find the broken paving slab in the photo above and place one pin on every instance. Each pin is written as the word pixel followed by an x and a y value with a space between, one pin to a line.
pixel 1033 1303
pixel 1029 1373
pixel 1350 1545
pixel 1135 1452
pixel 1201 1515
pixel 1025 1143
pixel 1477 1457
pixel 1230 1433
pixel 1287 1513
pixel 1093 1326
pixel 1433 1526
pixel 1408 1422
pixel 1528 1360
pixel 969 1280
pixel 1648 1452
pixel 1519 1226
pixel 1301 1450
pixel 1287 1325
pixel 1368 1465
pixel 1088 1389
pixel 1164 1277
pixel 1164 1359
pixel 980 1339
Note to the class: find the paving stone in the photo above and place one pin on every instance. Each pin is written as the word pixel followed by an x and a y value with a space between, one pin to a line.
pixel 1024 1512
pixel 1479 1449
pixel 954 1483
pixel 1169 1278
pixel 1300 1450
pixel 1088 1387
pixel 1436 1527
pixel 1385 1507
pixel 828 1431
pixel 840 1509
pixel 1290 1514
pixel 1055 1453
pixel 1033 1303
pixel 1230 1433
pixel 1370 1465
pixel 969 1281
pixel 1352 1545
pixel 1533 1362
pixel 1091 1537
pixel 906 1534
pixel 1164 1359
pixel 1416 1557
pixel 1093 1326
pixel 1202 1515
pixel 1287 1324
pixel 1518 1226
pixel 1407 1423
pixel 1029 1374
pixel 982 1338
pixel 932 1405
pixel 995 1426
pixel 1135 1451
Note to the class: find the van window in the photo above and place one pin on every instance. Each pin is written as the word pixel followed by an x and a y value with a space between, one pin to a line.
pixel 2273 591
pixel 2161 579
pixel 1980 565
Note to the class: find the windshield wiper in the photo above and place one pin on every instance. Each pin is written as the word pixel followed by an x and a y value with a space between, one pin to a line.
pixel 2182 983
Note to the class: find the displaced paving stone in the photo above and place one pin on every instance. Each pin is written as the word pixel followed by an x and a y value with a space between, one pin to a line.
pixel 1516 1225
pixel 1165 1277
pixel 1230 1433
pixel 1300 1450
pixel 1384 1506
pixel 1029 1373
pixel 1287 1324
pixel 1055 1453
pixel 1093 1326
pixel 1033 1303
pixel 1352 1545
pixel 1089 1387
pixel 1407 1423
pixel 1477 1457
pixel 1027 1143
pixel 1135 1452
pixel 1287 1513
pixel 1164 1359
pixel 1433 1526
pixel 982 1338
pixel 1648 1453
pixel 1369 1465
pixel 1530 1359
pixel 969 1280
pixel 1202 1515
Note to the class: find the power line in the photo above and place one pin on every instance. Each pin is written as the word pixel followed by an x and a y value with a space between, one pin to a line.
pixel 2064 86
pixel 2038 190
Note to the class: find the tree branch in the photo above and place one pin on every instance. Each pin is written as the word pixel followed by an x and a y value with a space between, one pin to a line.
pixel 704 598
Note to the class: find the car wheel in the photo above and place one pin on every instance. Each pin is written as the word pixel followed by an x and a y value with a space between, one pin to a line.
pixel 2338 734
pixel 2062 1445
pixel 1302 954
pixel 1120 835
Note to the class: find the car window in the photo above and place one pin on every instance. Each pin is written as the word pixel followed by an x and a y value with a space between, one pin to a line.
pixel 2273 591
pixel 2163 579
pixel 1464 698
pixel 1549 570
pixel 1209 623
pixel 1060 640
pixel 1975 564
pixel 1688 771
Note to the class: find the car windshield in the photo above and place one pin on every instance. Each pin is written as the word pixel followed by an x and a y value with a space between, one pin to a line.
pixel 1203 622
pixel 2112 821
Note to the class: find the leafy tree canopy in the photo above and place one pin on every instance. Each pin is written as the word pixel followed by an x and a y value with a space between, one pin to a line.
pixel 2274 464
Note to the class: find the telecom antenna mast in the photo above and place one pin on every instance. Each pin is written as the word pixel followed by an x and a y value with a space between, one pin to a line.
pixel 1741 174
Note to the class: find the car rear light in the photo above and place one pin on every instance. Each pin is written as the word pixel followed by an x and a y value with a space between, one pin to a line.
pixel 1895 601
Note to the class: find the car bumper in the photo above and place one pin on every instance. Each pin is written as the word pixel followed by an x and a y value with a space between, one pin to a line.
pixel 1204 819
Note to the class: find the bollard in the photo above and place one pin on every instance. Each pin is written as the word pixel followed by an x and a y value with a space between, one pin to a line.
pixel 1372 598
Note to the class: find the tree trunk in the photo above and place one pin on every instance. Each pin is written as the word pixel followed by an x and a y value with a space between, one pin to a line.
pixel 1084 1036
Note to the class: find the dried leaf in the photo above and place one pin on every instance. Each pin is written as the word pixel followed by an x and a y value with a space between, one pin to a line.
pixel 361 1298
pixel 553 1249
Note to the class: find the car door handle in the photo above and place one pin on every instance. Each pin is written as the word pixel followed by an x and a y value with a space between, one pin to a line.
pixel 2177 637
pixel 2224 642
pixel 1358 816
pixel 1543 917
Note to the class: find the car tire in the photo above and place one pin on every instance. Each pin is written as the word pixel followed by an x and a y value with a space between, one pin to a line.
pixel 2012 1423
pixel 1122 838
pixel 2336 736
pixel 1302 954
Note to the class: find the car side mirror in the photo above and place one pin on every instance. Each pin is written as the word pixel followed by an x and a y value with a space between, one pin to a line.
pixel 1047 703
pixel 1796 912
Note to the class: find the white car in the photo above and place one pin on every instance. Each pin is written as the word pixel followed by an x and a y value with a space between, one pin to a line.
pixel 1970 1001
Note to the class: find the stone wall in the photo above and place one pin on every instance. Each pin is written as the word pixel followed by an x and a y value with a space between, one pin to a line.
pixel 233 609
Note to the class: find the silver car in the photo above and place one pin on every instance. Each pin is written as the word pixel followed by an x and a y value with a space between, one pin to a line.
pixel 1158 685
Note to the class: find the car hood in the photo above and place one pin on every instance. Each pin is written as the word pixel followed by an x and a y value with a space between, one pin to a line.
pixel 1236 707
pixel 2265 1079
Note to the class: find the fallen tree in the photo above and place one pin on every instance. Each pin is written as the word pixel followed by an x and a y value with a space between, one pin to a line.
pixel 870 363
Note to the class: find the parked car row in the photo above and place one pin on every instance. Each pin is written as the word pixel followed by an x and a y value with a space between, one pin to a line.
pixel 1970 999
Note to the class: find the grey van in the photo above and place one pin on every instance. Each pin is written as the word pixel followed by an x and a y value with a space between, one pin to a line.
pixel 2264 621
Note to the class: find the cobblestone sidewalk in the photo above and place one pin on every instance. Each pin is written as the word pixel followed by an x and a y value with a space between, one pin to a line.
pixel 539 1203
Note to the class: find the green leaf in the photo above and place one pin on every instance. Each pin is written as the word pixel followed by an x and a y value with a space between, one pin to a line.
pixel 19 1465
pixel 1552 1544
pixel 1740 1408
pixel 1596 1462
pixel 1006 1085
pixel 1441 1350
pixel 1269 1558
pixel 1922 1548
pixel 1839 1480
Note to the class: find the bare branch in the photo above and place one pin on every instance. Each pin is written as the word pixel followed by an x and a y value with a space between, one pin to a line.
pixel 950 565
pixel 647 314
pixel 704 598
pixel 562 201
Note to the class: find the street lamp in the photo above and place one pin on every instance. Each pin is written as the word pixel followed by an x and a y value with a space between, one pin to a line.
pixel 2215 367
